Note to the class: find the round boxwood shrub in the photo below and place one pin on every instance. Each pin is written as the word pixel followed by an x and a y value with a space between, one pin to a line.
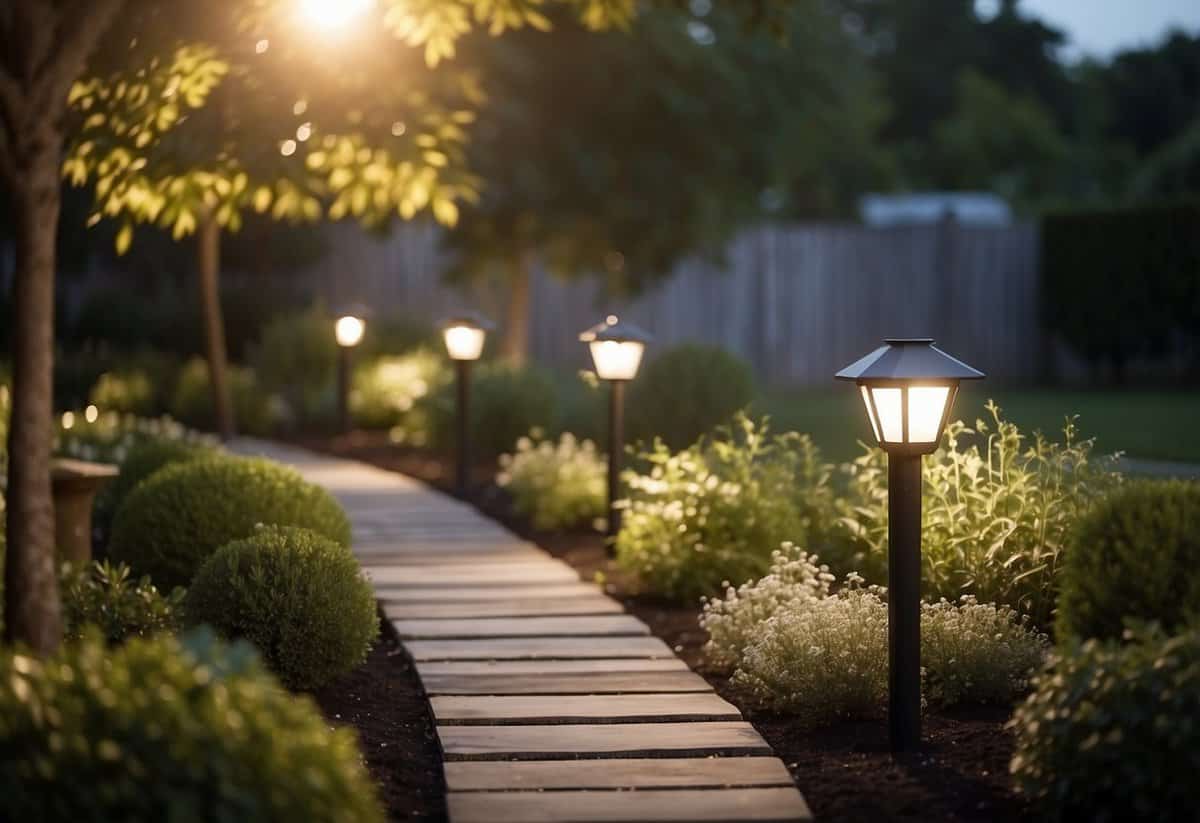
pixel 1135 555
pixel 299 597
pixel 1110 731
pixel 174 521
pixel 142 460
pixel 169 729
pixel 687 391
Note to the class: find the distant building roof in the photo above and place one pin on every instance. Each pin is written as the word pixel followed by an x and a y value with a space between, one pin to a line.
pixel 972 207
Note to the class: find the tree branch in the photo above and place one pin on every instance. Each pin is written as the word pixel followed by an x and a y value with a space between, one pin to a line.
pixel 79 27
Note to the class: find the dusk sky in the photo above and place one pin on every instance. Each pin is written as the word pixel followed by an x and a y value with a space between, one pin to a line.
pixel 1101 27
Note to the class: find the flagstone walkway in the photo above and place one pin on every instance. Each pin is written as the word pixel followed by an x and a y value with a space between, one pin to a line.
pixel 551 703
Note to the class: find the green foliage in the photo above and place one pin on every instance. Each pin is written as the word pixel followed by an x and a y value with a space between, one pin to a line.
pixel 714 512
pixel 557 486
pixel 1110 732
pixel 1123 283
pixel 108 598
pixel 142 460
pixel 1136 555
pixel 193 400
pixel 297 358
pixel 796 645
pixel 506 403
pixel 395 392
pixel 126 392
pixel 299 597
pixel 169 729
pixel 398 333
pixel 175 520
pixel 111 436
pixel 998 510
pixel 685 392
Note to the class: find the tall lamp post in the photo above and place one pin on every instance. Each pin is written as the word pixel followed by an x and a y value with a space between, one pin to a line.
pixel 908 387
pixel 464 336
pixel 348 330
pixel 616 350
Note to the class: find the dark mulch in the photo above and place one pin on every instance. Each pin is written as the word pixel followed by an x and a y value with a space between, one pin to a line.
pixel 845 770
pixel 383 700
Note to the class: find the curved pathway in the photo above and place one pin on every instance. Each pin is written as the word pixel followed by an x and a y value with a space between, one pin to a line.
pixel 551 703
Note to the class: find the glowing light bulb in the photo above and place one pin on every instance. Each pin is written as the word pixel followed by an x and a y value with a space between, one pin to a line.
pixel 333 14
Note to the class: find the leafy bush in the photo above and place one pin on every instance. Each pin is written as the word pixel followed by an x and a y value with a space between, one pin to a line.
pixel 299 597
pixel 176 519
pixel 714 512
pixel 108 598
pixel 1110 731
pixel 796 645
pixel 1135 555
pixel 193 402
pixel 687 391
pixel 506 402
pixel 142 460
pixel 128 392
pixel 394 392
pixel 398 333
pixel 111 436
pixel 169 729
pixel 296 357
pixel 997 513
pixel 556 486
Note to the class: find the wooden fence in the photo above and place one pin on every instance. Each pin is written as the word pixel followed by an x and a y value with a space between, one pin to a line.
pixel 797 301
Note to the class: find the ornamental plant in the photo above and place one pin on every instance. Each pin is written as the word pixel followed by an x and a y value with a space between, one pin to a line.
pixel 1110 732
pixel 394 393
pixel 998 510
pixel 714 512
pixel 169 729
pixel 108 598
pixel 556 485
pixel 127 391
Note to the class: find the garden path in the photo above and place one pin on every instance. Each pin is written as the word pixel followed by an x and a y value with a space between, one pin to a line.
pixel 551 703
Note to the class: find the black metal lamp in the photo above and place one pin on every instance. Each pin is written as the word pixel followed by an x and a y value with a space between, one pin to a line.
pixel 616 350
pixel 908 387
pixel 464 336
pixel 348 330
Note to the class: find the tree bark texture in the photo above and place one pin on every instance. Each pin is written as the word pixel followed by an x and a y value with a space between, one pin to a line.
pixel 514 346
pixel 209 261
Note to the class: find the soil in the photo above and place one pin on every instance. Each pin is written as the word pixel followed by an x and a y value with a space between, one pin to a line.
pixel 845 770
pixel 383 700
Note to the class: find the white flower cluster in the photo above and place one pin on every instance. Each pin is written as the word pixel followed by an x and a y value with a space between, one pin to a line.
pixel 109 437
pixel 556 485
pixel 797 644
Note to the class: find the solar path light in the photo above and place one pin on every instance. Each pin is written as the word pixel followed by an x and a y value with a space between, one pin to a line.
pixel 464 335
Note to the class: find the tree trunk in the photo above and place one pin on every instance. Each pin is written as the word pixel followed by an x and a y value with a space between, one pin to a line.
pixel 209 254
pixel 514 347
pixel 31 605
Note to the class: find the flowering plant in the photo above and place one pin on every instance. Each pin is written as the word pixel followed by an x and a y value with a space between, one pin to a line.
pixel 556 485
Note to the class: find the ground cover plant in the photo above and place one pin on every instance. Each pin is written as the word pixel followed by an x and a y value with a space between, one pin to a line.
pixel 557 485
pixel 175 520
pixel 107 598
pixel 169 729
pixel 300 598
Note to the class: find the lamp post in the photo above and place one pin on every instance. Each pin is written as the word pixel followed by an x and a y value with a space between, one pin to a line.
pixel 464 336
pixel 348 331
pixel 616 350
pixel 908 387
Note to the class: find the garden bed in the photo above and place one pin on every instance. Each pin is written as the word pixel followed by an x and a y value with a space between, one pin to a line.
pixel 845 770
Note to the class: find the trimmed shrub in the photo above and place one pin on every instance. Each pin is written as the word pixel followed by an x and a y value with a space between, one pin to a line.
pixel 296 357
pixel 193 403
pixel 998 509
pixel 1136 555
pixel 169 729
pixel 175 520
pixel 299 597
pixel 394 393
pixel 141 461
pixel 712 514
pixel 687 391
pixel 108 598
pixel 557 486
pixel 1110 731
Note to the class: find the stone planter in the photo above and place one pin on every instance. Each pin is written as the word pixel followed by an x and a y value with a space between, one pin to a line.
pixel 75 484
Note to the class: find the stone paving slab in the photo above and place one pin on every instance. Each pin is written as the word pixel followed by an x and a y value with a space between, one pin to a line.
pixel 584 682
pixel 552 703
pixel 676 806
pixel 619 625
pixel 588 708
pixel 617 773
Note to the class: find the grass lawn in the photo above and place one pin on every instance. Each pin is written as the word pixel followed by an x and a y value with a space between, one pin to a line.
pixel 1148 424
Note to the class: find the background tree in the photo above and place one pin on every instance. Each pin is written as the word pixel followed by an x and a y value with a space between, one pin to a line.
pixel 615 154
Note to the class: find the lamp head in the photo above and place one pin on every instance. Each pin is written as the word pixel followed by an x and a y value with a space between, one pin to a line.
pixel 908 386
pixel 464 335
pixel 616 348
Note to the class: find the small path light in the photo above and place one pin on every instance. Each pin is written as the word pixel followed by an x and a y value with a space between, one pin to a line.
pixel 348 330
pixel 464 335
pixel 617 350
pixel 908 387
